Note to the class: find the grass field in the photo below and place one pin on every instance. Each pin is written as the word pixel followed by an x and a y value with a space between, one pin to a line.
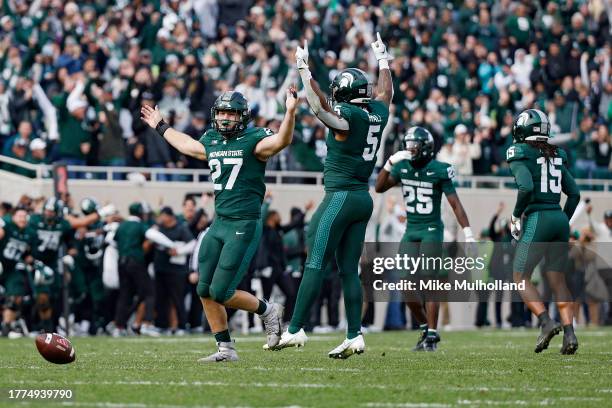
pixel 479 368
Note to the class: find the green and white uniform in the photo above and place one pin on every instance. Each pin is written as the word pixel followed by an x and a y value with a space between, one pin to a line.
pixel 540 183
pixel 339 223
pixel 423 189
pixel 13 247
pixel 229 245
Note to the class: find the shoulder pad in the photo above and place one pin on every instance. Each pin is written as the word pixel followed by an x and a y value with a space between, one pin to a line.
pixel 444 171
pixel 562 154
pixel 516 152
pixel 343 110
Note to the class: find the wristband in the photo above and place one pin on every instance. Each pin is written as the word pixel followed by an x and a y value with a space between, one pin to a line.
pixel 161 127
pixel 383 64
pixel 388 166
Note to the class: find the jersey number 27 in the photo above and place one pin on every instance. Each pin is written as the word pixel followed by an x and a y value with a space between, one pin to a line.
pixel 215 167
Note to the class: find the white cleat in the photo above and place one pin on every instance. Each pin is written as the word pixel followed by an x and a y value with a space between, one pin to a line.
pixel 273 323
pixel 348 348
pixel 226 352
pixel 290 340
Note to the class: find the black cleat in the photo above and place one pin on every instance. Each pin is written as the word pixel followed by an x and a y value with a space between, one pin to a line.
pixel 420 346
pixel 431 342
pixel 570 344
pixel 549 330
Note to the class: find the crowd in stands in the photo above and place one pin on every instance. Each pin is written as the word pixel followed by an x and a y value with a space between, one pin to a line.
pixel 73 75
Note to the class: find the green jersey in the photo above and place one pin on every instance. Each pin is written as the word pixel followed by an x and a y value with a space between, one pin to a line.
pixel 238 176
pixel 423 188
pixel 349 163
pixel 91 245
pixel 129 237
pixel 547 178
pixel 50 236
pixel 15 243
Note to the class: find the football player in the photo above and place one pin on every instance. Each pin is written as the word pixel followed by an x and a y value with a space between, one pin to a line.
pixel 424 180
pixel 541 174
pixel 355 121
pixel 16 243
pixel 237 158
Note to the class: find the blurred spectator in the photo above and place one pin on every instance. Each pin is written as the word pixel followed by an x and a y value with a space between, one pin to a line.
pixel 99 64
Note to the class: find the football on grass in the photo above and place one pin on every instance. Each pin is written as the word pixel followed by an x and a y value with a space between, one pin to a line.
pixel 55 348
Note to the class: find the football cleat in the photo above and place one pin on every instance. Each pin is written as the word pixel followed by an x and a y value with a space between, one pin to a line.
pixel 570 344
pixel 226 352
pixel 420 346
pixel 291 340
pixel 549 330
pixel 431 342
pixel 348 348
pixel 149 330
pixel 273 323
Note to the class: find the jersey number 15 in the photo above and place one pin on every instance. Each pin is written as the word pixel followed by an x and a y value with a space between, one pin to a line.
pixel 550 175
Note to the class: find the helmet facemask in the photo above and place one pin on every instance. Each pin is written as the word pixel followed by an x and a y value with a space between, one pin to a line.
pixel 228 127
pixel 414 148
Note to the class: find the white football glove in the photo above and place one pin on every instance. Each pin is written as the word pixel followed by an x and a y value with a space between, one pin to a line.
pixel 380 49
pixel 396 158
pixel 515 227
pixel 107 210
pixel 68 261
pixel 469 235
pixel 301 56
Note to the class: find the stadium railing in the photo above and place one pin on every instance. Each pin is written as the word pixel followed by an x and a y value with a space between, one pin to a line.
pixel 157 175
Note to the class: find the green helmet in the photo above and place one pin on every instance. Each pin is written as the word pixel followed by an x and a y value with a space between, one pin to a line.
pixel 136 209
pixel 234 102
pixel 351 85
pixel 89 206
pixel 419 142
pixel 55 206
pixel 531 124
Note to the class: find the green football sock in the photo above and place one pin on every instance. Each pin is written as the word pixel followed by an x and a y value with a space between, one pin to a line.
pixel 223 336
pixel 307 295
pixel 353 299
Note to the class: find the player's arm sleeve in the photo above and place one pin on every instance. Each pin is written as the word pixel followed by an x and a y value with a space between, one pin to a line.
pixel 524 182
pixel 569 187
pixel 154 235
pixel 447 181
pixel 330 119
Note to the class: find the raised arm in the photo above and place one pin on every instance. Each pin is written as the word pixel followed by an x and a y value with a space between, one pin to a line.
pixel 180 141
pixel 316 98
pixel 384 89
pixel 271 145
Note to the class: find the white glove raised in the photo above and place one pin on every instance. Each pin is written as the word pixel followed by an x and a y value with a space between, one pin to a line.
pixel 68 261
pixel 396 158
pixel 380 49
pixel 515 227
pixel 301 56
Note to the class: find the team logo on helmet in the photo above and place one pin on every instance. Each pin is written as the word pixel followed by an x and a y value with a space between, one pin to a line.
pixel 522 119
pixel 346 80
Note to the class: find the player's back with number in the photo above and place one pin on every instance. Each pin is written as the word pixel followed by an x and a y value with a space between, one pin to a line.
pixel 349 163
pixel 547 175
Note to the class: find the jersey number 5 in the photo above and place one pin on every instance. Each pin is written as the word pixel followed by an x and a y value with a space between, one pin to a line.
pixel 370 150
pixel 550 175
pixel 215 167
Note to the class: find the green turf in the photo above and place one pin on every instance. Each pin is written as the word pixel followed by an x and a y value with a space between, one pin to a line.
pixel 478 368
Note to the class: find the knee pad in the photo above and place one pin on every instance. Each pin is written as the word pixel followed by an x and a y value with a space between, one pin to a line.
pixel 220 295
pixel 203 290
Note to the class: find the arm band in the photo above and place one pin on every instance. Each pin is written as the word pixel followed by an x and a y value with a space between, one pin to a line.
pixel 161 127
